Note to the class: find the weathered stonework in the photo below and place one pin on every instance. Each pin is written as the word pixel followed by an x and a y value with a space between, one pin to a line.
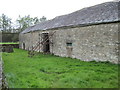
pixel 95 42
pixel 0 74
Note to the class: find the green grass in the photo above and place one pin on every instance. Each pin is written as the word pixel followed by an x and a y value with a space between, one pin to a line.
pixel 9 42
pixel 47 71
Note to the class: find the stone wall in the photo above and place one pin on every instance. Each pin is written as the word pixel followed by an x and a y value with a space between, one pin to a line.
pixel 96 42
pixel 3 82
pixel 0 74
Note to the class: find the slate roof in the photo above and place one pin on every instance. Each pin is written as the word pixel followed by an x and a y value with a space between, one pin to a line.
pixel 101 13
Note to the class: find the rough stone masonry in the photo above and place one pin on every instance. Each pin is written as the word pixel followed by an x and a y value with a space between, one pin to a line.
pixel 0 75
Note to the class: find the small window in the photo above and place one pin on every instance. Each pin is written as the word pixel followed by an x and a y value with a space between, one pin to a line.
pixel 69 44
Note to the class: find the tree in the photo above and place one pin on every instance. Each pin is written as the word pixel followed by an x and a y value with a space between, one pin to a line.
pixel 24 22
pixel 0 22
pixel 27 21
pixel 43 19
pixel 36 20
pixel 5 23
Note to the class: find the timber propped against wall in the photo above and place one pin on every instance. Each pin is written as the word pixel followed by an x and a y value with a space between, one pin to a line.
pixel 43 44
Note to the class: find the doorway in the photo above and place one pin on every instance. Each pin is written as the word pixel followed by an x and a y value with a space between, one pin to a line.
pixel 69 49
pixel 24 46
pixel 46 45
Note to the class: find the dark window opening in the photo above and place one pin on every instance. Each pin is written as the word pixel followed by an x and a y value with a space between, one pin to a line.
pixel 69 44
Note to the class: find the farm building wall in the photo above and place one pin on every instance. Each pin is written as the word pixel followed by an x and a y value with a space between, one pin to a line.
pixel 96 42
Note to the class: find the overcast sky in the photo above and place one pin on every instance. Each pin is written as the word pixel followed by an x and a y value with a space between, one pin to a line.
pixel 39 8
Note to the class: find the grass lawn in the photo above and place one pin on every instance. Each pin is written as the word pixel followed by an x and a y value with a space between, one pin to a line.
pixel 47 71
pixel 9 42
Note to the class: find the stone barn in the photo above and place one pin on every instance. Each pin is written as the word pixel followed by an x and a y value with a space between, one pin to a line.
pixel 88 34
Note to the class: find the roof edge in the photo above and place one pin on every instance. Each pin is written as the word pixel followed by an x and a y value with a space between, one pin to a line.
pixel 74 26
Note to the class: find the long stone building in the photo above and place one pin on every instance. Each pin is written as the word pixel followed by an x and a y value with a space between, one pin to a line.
pixel 88 34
